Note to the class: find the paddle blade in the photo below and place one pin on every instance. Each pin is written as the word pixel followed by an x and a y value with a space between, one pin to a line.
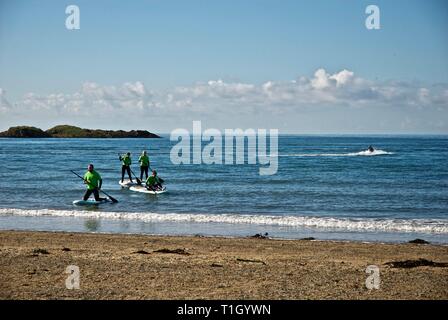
pixel 110 197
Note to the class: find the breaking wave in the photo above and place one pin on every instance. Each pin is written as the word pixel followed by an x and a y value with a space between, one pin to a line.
pixel 438 226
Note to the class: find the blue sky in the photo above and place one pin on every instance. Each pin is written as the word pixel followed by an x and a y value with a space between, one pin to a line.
pixel 177 61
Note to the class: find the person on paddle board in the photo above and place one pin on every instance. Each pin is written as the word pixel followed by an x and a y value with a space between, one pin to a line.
pixel 126 165
pixel 94 182
pixel 144 165
pixel 154 183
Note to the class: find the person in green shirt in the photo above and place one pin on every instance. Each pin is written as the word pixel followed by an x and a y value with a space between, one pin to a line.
pixel 154 183
pixel 144 165
pixel 126 165
pixel 94 182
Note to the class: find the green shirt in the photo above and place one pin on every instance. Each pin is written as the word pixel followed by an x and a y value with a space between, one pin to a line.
pixel 153 180
pixel 126 160
pixel 92 179
pixel 144 161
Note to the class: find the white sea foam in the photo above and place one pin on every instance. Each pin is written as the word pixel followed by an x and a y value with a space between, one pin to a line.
pixel 439 226
pixel 350 154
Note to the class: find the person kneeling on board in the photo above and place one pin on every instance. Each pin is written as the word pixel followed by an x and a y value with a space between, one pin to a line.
pixel 144 165
pixel 126 166
pixel 154 183
pixel 94 182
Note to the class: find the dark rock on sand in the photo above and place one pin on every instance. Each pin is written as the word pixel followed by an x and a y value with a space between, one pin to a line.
pixel 40 251
pixel 216 265
pixel 141 252
pixel 419 241
pixel 175 251
pixel 416 263
pixel 260 236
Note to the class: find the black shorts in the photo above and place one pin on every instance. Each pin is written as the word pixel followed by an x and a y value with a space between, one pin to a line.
pixel 126 169
pixel 95 192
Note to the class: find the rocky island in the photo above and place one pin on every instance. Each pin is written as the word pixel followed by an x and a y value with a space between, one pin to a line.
pixel 66 131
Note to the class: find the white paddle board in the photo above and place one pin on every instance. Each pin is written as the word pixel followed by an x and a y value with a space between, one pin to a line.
pixel 143 189
pixel 127 183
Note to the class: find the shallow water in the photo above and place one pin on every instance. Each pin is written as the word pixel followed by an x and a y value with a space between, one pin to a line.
pixel 326 186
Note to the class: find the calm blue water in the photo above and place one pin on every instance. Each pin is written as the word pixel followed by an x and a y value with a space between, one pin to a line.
pixel 325 187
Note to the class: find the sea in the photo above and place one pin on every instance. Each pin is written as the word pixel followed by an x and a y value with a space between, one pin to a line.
pixel 326 187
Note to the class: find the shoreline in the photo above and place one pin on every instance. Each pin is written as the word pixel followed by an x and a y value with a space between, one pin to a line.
pixel 140 266
pixel 218 236
pixel 69 131
pixel 286 227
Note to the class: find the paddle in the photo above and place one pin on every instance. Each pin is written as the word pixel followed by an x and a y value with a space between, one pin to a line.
pixel 138 180
pixel 110 197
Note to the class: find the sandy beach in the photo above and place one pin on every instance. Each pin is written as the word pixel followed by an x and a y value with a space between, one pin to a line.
pixel 116 266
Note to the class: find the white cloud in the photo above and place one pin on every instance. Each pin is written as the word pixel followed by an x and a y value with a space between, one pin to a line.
pixel 342 77
pixel 4 103
pixel 320 80
pixel 133 100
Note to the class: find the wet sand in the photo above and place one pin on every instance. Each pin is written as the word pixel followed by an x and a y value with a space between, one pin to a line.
pixel 33 264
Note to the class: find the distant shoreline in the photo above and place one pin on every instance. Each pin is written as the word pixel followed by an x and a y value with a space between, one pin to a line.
pixel 67 131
